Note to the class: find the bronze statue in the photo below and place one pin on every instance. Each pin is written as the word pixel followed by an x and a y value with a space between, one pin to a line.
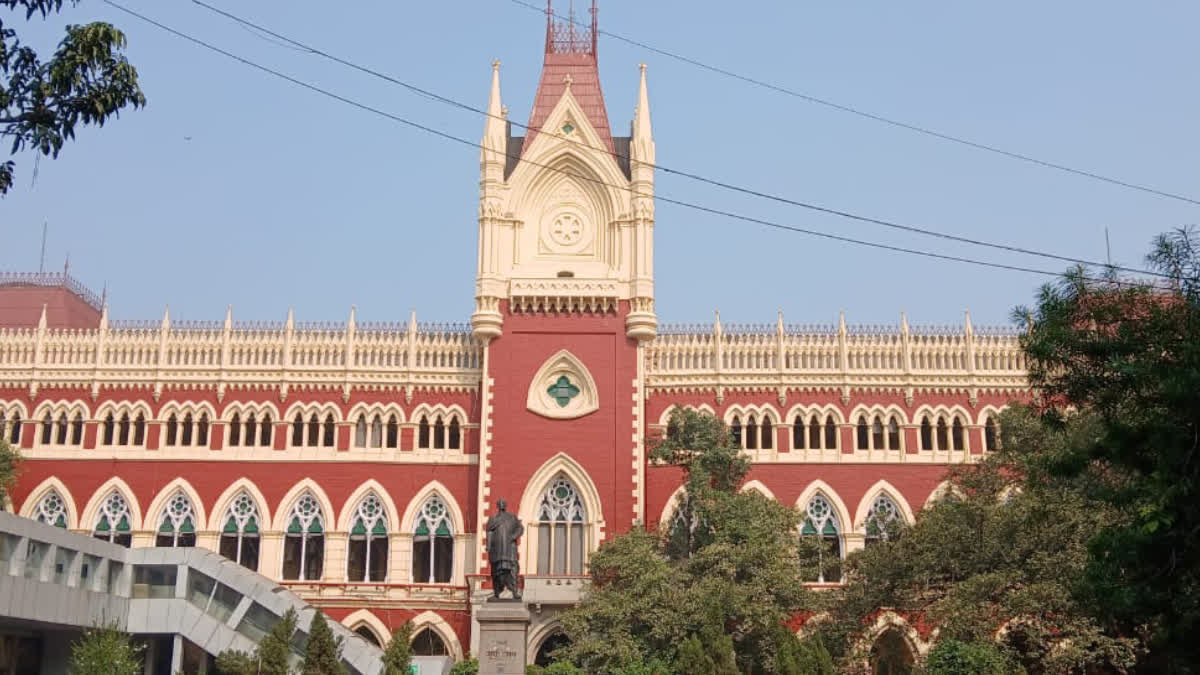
pixel 503 530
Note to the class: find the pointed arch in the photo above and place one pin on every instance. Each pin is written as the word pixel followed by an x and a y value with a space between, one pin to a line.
pixel 383 410
pixel 29 506
pixel 881 487
pixel 672 503
pixel 91 513
pixel 160 500
pixel 889 620
pixel 434 621
pixel 566 372
pixel 360 493
pixel 221 505
pixel 366 618
pixel 665 417
pixel 824 489
pixel 938 493
pixel 758 487
pixel 433 487
pixel 565 464
pixel 279 523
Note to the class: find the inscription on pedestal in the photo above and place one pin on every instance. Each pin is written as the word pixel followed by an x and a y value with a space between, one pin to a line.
pixel 502 628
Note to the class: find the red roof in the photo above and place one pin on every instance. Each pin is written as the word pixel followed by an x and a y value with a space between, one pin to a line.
pixel 570 54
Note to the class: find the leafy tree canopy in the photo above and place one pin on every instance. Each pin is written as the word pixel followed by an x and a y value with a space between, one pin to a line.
pixel 10 461
pixel 398 655
pixel 86 81
pixel 322 655
pixel 271 657
pixel 1130 354
pixel 1004 549
pixel 724 576
pixel 105 650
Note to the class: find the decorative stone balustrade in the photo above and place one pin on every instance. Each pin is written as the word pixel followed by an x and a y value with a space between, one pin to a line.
pixel 786 357
pixel 373 356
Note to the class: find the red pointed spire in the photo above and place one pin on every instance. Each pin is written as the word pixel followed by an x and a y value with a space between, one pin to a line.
pixel 570 61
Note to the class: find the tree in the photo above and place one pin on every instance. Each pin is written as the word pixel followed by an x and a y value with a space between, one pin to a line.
pixel 105 650
pixel 725 574
pixel 1003 552
pixel 1130 352
pixel 952 657
pixel 10 461
pixel 87 81
pixel 466 667
pixel 322 656
pixel 398 656
pixel 271 656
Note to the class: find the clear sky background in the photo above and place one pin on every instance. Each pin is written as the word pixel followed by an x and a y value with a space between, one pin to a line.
pixel 284 198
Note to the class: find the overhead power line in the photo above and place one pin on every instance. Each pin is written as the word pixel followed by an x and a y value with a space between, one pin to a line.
pixel 678 202
pixel 303 47
pixel 877 117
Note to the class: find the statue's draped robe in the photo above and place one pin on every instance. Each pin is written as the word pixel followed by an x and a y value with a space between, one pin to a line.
pixel 502 531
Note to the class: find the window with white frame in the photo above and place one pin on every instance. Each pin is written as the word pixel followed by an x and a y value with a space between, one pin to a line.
pixel 314 433
pixel 10 426
pixel 250 431
pixel 114 522
pixel 188 431
pixel 373 432
pixel 304 541
pixel 240 535
pixel 444 433
pixel 814 432
pixel 51 509
pixel 883 521
pixel 943 432
pixel 367 555
pixel 177 525
pixel 123 431
pixel 61 430
pixel 821 522
pixel 758 432
pixel 433 543
pixel 875 433
pixel 991 434
pixel 562 529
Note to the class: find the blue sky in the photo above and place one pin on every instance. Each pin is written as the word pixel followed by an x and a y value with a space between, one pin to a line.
pixel 285 198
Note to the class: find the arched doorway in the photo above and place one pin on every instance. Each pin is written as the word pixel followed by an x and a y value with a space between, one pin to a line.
pixel 427 642
pixel 546 651
pixel 891 654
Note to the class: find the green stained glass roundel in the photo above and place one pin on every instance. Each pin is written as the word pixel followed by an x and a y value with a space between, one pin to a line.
pixel 563 391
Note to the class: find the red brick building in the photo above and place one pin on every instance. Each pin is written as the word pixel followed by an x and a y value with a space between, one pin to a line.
pixel 356 463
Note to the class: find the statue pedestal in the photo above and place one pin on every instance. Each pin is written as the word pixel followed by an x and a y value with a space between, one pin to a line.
pixel 502 628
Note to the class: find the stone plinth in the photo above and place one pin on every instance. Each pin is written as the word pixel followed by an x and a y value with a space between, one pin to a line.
pixel 502 628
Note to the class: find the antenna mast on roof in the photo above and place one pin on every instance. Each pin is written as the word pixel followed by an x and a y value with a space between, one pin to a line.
pixel 42 262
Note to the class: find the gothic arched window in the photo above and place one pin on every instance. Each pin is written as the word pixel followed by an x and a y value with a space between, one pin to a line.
pixel 831 441
pixel 990 437
pixel 123 430
pixel 327 437
pixel 109 428
pixel 862 438
pixel 139 430
pixel 47 429
pixel 314 430
pixel 433 543
pixel 235 432
pixel 377 432
pixel 814 433
pixel 926 434
pixel 562 524
pixel 423 432
pixel 367 557
pixel 298 431
pixel 177 526
pixel 114 521
pixel 751 434
pixel 439 433
pixel 428 643
pixel 735 429
pixel 240 532
pixel 63 428
pixel 393 432
pixel 768 434
pixel 264 437
pixel 957 434
pixel 877 438
pixel 883 521
pixel 52 510
pixel 820 521
pixel 454 434
pixel 798 433
pixel 304 540
pixel 942 431
pixel 360 432
pixel 893 433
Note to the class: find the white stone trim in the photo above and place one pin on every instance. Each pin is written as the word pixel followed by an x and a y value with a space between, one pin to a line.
pixel 279 524
pixel 221 506
pixel 532 497
pixel 434 621
pixel 864 505
pixel 164 495
pixel 91 512
pixel 563 363
pixel 35 497
pixel 758 487
pixel 365 617
pixel 360 493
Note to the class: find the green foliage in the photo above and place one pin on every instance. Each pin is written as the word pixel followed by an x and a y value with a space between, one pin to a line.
pixel 556 668
pixel 466 667
pixel 322 655
pixel 105 650
pixel 87 81
pixel 269 658
pixel 10 463
pixel 952 657
pixel 801 657
pixel 726 574
pixel 234 662
pixel 1130 354
pixel 398 655
pixel 1008 544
